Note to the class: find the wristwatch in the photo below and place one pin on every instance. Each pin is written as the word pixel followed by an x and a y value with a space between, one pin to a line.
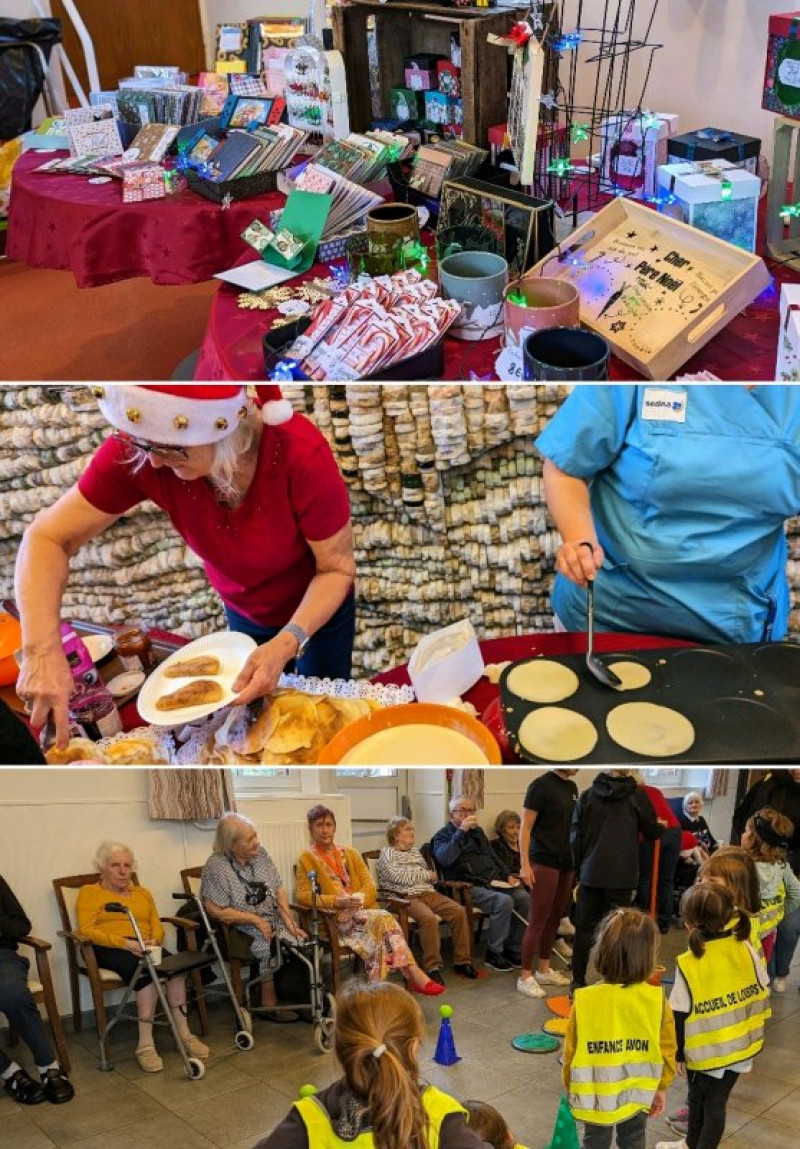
pixel 302 636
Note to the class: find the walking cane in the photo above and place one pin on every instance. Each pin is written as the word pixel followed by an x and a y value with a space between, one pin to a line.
pixel 654 881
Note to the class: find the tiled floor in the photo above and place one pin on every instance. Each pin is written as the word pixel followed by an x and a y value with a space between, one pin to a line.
pixel 244 1094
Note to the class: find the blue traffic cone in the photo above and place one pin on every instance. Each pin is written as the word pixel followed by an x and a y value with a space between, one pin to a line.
pixel 445 1047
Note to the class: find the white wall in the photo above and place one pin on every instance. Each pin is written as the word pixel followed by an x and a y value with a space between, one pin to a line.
pixel 711 68
pixel 52 821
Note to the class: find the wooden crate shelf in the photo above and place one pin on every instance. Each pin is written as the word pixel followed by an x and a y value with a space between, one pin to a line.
pixel 403 29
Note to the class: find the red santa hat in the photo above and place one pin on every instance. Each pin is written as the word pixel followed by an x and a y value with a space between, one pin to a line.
pixel 185 414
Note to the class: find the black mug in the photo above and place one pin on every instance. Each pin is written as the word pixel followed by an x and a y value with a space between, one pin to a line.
pixel 570 354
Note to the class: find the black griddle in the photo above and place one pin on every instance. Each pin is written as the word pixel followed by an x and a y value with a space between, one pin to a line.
pixel 743 701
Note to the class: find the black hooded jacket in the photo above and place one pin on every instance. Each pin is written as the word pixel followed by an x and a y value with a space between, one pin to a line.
pixel 606 824
pixel 782 793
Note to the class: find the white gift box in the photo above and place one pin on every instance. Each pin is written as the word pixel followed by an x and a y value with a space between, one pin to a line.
pixel 446 664
pixel 714 196
pixel 787 367
pixel 633 147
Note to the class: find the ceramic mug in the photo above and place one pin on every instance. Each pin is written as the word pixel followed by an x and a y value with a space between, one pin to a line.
pixel 394 219
pixel 566 353
pixel 371 254
pixel 476 280
pixel 548 303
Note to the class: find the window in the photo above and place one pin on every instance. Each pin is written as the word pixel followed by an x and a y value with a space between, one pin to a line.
pixel 367 772
pixel 673 778
pixel 265 779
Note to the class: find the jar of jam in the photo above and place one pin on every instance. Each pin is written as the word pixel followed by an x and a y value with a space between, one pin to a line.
pixel 132 644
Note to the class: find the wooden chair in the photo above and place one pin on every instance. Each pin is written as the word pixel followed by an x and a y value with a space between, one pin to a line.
pixel 460 892
pixel 236 945
pixel 82 962
pixel 394 903
pixel 41 988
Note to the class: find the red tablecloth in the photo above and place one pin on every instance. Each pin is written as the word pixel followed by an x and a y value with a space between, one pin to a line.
pixel 745 350
pixel 66 223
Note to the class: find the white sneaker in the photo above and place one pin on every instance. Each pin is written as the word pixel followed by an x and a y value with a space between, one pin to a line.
pixel 778 985
pixel 530 987
pixel 566 928
pixel 672 1144
pixel 563 949
pixel 553 977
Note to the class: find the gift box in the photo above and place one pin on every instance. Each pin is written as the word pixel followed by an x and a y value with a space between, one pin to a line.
pixel 521 225
pixel 448 78
pixel 633 146
pixel 717 198
pixel 141 182
pixel 787 367
pixel 781 92
pixel 715 144
pixel 420 71
pixel 440 109
pixel 405 104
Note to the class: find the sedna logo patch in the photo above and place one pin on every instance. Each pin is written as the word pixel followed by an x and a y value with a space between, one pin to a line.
pixel 665 406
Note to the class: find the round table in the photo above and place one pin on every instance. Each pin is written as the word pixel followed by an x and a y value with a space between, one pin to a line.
pixel 744 351
pixel 66 223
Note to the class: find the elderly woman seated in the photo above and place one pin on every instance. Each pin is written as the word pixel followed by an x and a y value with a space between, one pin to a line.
pixel 691 819
pixel 344 885
pixel 241 887
pixel 402 870
pixel 506 843
pixel 116 951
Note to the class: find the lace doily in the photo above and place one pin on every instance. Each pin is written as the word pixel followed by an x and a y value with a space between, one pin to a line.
pixel 190 752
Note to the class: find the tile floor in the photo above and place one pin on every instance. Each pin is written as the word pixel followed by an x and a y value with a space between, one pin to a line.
pixel 244 1094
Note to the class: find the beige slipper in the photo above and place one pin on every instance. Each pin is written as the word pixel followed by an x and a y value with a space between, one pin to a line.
pixel 148 1059
pixel 195 1047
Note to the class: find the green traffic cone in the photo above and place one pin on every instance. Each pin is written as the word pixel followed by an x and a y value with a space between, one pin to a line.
pixel 565 1131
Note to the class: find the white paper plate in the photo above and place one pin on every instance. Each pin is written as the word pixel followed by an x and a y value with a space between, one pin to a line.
pixel 98 645
pixel 232 650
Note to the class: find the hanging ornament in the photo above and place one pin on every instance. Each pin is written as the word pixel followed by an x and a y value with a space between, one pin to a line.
pixel 568 42
pixel 790 211
pixel 649 122
pixel 560 167
pixel 579 133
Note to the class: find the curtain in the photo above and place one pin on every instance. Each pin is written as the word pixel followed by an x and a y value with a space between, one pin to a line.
pixel 718 786
pixel 469 782
pixel 189 795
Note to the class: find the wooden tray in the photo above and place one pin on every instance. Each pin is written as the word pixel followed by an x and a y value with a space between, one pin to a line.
pixel 656 289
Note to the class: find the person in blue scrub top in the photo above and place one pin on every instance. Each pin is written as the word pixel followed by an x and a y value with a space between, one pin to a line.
pixel 682 493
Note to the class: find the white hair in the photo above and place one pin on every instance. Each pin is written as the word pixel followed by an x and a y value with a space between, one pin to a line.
pixel 106 849
pixel 228 455
pixel 229 830
pixel 693 794
pixel 458 798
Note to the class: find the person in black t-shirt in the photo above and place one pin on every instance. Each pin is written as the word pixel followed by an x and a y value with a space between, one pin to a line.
pixel 547 871
pixel 18 747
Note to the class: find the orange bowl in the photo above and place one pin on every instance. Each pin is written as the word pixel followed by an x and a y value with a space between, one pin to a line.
pixel 411 714
pixel 10 640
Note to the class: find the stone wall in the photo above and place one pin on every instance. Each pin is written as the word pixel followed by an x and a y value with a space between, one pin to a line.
pixel 447 505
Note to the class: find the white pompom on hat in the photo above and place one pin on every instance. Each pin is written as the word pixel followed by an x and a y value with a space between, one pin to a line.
pixel 175 415
pixel 274 408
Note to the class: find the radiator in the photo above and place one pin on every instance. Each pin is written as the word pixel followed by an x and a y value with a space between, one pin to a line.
pixel 284 842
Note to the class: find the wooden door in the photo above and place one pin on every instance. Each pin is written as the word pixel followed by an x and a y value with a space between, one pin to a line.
pixel 130 32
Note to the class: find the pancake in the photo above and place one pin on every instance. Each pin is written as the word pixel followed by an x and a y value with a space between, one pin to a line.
pixel 633 675
pixel 542 680
pixel 650 730
pixel 556 734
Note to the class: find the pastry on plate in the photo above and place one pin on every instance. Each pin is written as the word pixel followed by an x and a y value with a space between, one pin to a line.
pixel 198 693
pixel 205 665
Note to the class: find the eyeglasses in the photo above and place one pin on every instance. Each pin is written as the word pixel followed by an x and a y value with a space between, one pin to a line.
pixel 464 810
pixel 168 454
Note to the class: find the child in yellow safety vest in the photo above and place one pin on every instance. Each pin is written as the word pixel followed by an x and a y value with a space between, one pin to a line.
pixel 380 1102
pixel 721 1002
pixel 619 1049
pixel 766 839
pixel 490 1125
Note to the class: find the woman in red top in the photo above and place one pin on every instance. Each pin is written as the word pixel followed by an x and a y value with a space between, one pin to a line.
pixel 256 493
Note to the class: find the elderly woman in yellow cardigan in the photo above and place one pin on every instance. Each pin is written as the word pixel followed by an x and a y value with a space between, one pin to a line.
pixel 344 884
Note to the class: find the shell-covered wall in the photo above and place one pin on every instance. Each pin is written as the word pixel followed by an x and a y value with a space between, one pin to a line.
pixel 445 486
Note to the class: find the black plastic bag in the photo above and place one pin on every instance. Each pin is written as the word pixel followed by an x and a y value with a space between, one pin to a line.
pixel 23 43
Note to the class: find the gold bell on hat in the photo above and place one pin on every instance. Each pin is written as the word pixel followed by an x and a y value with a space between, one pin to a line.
pixel 133 415
pixel 180 422
pixel 98 392
pixel 221 424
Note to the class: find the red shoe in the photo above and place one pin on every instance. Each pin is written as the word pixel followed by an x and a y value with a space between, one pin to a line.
pixel 429 989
